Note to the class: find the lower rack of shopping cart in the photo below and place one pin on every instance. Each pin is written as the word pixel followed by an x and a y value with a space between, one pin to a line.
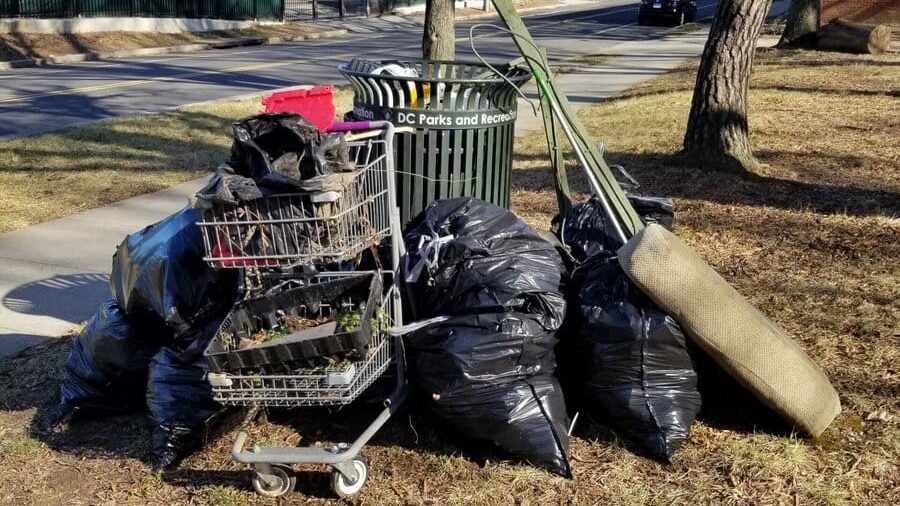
pixel 335 384
pixel 332 385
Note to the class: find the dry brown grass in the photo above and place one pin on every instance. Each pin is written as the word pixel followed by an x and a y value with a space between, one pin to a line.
pixel 52 175
pixel 814 243
pixel 17 46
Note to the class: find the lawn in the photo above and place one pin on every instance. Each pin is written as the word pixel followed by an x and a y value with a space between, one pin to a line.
pixel 813 241
pixel 49 176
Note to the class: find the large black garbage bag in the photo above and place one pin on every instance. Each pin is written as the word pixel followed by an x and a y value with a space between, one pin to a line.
pixel 490 365
pixel 467 255
pixel 160 270
pixel 490 376
pixel 586 228
pixel 106 371
pixel 180 403
pixel 284 148
pixel 629 361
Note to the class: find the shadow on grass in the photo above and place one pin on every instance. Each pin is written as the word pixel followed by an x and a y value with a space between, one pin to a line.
pixel 17 48
pixel 830 62
pixel 118 145
pixel 310 483
pixel 412 428
pixel 669 175
pixel 729 406
pixel 31 379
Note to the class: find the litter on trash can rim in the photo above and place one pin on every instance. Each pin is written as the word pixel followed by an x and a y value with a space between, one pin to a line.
pixel 428 71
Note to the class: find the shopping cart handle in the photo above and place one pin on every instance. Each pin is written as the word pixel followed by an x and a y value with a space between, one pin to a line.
pixel 347 126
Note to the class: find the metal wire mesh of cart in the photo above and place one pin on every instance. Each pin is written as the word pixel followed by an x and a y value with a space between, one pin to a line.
pixel 331 225
pixel 308 387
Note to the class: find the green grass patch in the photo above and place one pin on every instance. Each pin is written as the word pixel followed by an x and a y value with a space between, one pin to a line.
pixel 219 495
pixel 19 446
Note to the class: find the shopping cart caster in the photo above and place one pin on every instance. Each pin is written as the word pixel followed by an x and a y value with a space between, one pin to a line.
pixel 273 480
pixel 346 486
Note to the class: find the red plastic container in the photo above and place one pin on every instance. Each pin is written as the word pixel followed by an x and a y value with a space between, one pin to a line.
pixel 316 104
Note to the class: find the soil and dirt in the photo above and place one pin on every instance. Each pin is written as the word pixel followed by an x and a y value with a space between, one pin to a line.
pixel 289 325
pixel 813 242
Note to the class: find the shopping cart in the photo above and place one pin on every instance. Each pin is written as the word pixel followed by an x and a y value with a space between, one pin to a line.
pixel 347 215
pixel 270 237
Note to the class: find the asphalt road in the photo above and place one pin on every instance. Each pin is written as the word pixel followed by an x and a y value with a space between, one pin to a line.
pixel 44 99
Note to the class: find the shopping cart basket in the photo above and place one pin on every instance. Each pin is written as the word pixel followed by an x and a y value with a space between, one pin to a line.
pixel 347 214
pixel 299 386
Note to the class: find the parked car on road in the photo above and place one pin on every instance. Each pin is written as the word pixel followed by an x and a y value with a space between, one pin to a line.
pixel 672 11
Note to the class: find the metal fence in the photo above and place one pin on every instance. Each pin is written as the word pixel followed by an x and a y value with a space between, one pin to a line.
pixel 210 9
pixel 308 10
pixel 289 10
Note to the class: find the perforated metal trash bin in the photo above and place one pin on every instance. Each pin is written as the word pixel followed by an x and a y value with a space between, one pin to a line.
pixel 464 119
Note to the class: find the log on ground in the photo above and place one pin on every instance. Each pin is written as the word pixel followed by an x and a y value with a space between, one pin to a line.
pixel 849 37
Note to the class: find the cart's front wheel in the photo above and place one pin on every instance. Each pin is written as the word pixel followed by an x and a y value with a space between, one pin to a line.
pixel 277 484
pixel 343 486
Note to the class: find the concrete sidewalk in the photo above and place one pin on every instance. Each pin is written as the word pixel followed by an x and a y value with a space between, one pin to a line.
pixel 56 273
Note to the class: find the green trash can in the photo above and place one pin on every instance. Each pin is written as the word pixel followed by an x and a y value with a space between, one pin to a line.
pixel 463 118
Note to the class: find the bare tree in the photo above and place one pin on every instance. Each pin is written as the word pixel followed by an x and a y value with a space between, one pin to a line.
pixel 803 20
pixel 717 134
pixel 439 40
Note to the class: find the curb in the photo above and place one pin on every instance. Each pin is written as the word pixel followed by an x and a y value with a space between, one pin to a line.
pixel 151 51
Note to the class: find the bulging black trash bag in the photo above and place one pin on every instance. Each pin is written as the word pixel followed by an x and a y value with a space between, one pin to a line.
pixel 630 362
pixel 284 148
pixel 160 270
pixel 106 371
pixel 586 228
pixel 180 403
pixel 488 368
pixel 467 255
pixel 490 376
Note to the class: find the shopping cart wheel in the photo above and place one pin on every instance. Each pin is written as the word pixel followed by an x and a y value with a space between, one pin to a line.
pixel 280 481
pixel 345 487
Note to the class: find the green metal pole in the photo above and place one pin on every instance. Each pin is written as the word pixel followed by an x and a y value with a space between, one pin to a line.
pixel 557 159
pixel 592 161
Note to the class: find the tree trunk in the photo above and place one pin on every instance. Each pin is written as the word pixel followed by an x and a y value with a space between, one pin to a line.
pixel 849 37
pixel 439 40
pixel 717 135
pixel 802 24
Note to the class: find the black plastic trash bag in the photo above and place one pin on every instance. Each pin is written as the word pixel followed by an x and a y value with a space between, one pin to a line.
pixel 640 379
pixel 490 376
pixel 106 371
pixel 160 270
pixel 180 403
pixel 627 361
pixel 282 148
pixel 225 187
pixel 467 255
pixel 585 229
pixel 659 210
pixel 489 367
